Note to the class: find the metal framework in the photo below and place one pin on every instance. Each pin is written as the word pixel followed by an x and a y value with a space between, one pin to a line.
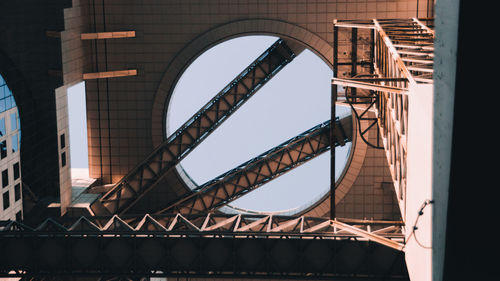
pixel 263 168
pixel 400 53
pixel 205 246
pixel 150 172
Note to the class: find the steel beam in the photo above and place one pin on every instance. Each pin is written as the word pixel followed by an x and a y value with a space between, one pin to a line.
pixel 263 168
pixel 151 171
pixel 229 246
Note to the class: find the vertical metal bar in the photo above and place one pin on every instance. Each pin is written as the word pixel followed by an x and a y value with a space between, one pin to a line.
pixel 333 114
pixel 354 57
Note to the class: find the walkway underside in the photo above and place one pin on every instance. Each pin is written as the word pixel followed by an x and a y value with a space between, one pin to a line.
pixel 263 168
pixel 204 246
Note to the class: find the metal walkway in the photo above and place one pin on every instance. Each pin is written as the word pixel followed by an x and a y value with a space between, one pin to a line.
pixel 204 246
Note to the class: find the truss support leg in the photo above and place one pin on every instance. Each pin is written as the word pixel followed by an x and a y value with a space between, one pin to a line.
pixel 332 122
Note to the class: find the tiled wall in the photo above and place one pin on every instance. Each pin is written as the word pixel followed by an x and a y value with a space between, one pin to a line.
pixel 63 147
pixel 122 117
pixel 126 115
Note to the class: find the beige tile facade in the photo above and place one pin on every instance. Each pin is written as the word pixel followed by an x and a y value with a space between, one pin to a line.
pixel 126 115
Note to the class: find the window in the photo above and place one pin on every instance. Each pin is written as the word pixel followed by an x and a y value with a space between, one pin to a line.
pixel 13 121
pixel 6 202
pixel 63 159
pixel 15 143
pixel 17 192
pixel 19 216
pixel 63 141
pixel 5 178
pixel 3 130
pixel 3 149
pixel 16 171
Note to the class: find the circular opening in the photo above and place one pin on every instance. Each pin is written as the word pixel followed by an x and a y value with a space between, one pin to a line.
pixel 296 99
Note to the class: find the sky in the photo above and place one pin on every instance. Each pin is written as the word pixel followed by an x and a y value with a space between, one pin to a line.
pixel 295 100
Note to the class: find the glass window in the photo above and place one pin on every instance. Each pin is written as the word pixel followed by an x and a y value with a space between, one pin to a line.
pixel 13 121
pixel 63 159
pixel 63 141
pixel 8 103
pixel 16 170
pixel 2 105
pixel 17 192
pixel 15 143
pixel 6 201
pixel 19 216
pixel 5 178
pixel 3 149
pixel 3 130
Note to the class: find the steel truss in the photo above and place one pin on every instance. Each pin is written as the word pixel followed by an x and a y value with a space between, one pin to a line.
pixel 204 246
pixel 150 172
pixel 401 56
pixel 263 168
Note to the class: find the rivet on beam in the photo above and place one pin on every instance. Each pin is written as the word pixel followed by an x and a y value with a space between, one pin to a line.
pixel 108 35
pixel 110 74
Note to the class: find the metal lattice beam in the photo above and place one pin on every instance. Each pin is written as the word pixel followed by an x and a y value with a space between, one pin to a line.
pixel 146 175
pixel 263 168
pixel 230 246
pixel 402 57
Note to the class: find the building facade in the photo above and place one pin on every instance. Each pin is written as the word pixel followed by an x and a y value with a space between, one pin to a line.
pixel 10 160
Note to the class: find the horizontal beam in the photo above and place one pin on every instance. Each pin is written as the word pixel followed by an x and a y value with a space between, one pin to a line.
pixel 234 226
pixel 109 74
pixel 367 86
pixel 368 235
pixel 107 35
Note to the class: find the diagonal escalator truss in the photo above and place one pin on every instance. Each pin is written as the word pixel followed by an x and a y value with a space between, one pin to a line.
pixel 149 173
pixel 263 168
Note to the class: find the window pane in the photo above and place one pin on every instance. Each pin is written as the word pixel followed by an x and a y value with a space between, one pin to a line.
pixel 17 192
pixel 16 171
pixel 3 149
pixel 63 141
pixel 5 178
pixel 63 159
pixel 3 131
pixel 6 202
pixel 19 216
pixel 8 103
pixel 15 143
pixel 2 105
pixel 13 121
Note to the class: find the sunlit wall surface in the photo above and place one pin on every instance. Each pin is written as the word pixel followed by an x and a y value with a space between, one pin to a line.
pixel 10 164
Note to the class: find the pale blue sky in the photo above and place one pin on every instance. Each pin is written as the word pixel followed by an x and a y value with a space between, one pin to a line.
pixel 296 99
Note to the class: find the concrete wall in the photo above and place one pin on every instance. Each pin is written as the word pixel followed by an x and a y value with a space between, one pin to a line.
pixel 445 48
pixel 419 186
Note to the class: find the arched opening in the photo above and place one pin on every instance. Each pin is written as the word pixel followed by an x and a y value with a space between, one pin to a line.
pixel 294 100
